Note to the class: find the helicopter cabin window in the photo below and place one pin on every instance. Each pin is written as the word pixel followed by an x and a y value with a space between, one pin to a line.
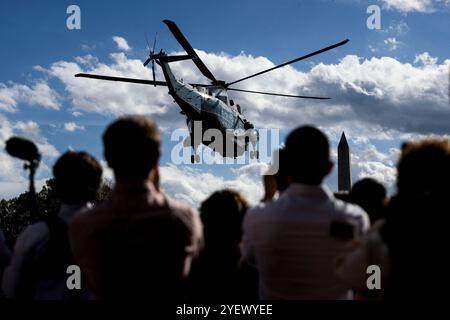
pixel 223 99
pixel 201 89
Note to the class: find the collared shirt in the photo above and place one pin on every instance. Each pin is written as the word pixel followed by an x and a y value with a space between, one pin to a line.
pixel 31 241
pixel 121 243
pixel 289 241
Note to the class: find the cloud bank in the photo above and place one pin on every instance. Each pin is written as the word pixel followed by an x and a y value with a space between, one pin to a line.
pixel 373 100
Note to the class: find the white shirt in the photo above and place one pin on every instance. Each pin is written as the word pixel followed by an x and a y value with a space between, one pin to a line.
pixel 372 250
pixel 33 238
pixel 289 242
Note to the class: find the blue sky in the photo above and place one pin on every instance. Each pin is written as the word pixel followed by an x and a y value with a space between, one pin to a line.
pixel 387 85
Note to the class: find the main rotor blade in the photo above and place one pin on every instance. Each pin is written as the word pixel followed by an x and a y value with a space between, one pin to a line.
pixel 146 40
pixel 141 81
pixel 279 94
pixel 154 42
pixel 188 48
pixel 147 61
pixel 292 61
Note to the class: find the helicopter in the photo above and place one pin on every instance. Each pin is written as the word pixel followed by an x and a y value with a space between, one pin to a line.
pixel 209 104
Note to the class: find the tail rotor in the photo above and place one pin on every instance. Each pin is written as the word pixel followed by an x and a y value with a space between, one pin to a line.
pixel 151 57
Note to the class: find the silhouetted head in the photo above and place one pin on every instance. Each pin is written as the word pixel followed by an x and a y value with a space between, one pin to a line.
pixel 308 155
pixel 132 148
pixel 77 177
pixel 370 195
pixel 222 215
pixel 424 167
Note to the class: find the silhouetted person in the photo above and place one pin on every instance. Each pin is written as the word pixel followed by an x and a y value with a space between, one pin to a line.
pixel 220 274
pixel 139 244
pixel 42 253
pixel 370 195
pixel 295 240
pixel 409 247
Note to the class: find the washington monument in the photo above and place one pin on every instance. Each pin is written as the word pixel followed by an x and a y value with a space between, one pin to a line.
pixel 344 165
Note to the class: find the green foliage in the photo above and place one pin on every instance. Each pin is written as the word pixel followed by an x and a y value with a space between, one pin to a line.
pixel 15 214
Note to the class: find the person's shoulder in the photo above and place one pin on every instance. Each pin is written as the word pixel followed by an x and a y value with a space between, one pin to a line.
pixel 177 206
pixel 262 212
pixel 182 210
pixel 91 217
pixel 347 208
pixel 89 213
pixel 33 235
pixel 352 211
pixel 188 216
pixel 266 207
pixel 258 208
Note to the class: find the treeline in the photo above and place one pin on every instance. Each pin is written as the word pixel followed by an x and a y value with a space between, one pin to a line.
pixel 15 213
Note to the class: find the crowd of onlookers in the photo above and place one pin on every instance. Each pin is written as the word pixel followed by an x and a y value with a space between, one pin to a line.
pixel 301 242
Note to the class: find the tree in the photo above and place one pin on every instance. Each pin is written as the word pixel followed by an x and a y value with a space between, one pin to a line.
pixel 15 214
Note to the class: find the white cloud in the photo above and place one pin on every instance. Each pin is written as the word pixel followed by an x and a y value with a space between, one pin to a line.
pixel 113 98
pixel 392 43
pixel 31 130
pixel 72 126
pixel 12 94
pixel 108 174
pixel 377 98
pixel 379 91
pixel 369 162
pixel 86 60
pixel 384 91
pixel 121 43
pixel 86 47
pixel 422 6
pixel 398 28
pixel 425 59
pixel 194 186
pixel 13 179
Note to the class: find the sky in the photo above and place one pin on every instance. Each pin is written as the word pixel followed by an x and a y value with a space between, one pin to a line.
pixel 387 85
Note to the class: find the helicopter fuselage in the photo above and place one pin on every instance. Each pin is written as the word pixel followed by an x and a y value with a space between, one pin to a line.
pixel 208 104
pixel 211 106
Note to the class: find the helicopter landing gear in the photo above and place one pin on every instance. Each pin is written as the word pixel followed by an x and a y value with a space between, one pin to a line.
pixel 254 154
pixel 195 158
